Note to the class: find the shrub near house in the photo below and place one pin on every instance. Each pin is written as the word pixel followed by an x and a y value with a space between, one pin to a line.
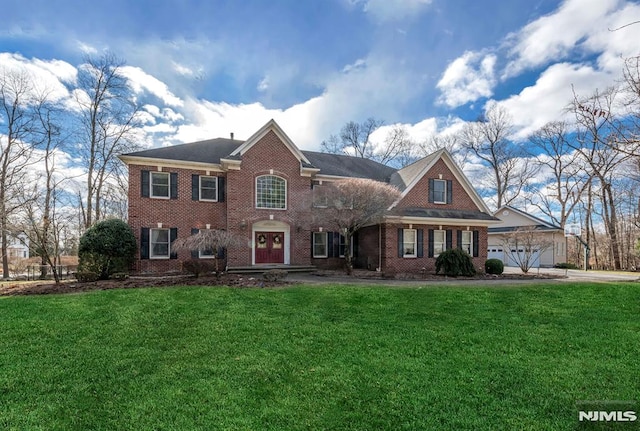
pixel 261 190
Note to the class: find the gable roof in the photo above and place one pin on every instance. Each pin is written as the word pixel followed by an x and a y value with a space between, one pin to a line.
pixel 271 125
pixel 409 176
pixel 537 222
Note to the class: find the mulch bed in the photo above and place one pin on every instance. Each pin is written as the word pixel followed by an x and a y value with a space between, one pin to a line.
pixel 232 280
pixel 73 286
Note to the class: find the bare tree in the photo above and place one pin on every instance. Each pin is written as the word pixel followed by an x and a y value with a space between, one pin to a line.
pixel 108 118
pixel 16 124
pixel 451 142
pixel 569 177
pixel 41 220
pixel 355 139
pixel 207 240
pixel 349 205
pixel 597 142
pixel 511 168
pixel 525 245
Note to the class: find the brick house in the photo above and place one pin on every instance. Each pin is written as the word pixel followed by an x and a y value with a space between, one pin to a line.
pixel 261 189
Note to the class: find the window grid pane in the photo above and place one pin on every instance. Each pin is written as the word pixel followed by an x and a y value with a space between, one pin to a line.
pixel 439 191
pixel 208 188
pixel 467 241
pixel 160 184
pixel 409 242
pixel 438 242
pixel 160 242
pixel 271 192
pixel 319 244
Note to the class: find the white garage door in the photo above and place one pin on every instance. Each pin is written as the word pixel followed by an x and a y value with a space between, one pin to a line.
pixel 495 253
pixel 521 256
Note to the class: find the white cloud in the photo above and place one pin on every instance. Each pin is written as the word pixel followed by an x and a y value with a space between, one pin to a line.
pixel 140 80
pixel 46 76
pixel 553 36
pixel 468 78
pixel 546 99
pixel 263 85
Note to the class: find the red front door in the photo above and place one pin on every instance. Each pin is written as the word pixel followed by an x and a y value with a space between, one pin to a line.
pixel 269 247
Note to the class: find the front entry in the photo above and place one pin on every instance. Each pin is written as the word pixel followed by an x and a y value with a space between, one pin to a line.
pixel 269 247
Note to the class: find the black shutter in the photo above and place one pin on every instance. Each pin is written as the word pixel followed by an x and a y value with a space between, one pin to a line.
pixel 430 241
pixel 431 187
pixel 449 191
pixel 173 180
pixel 330 251
pixel 476 243
pixel 354 243
pixel 194 230
pixel 144 184
pixel 173 235
pixel 221 253
pixel 449 245
pixel 459 235
pixel 312 251
pixel 221 189
pixel 400 242
pixel 420 244
pixel 195 187
pixel 144 243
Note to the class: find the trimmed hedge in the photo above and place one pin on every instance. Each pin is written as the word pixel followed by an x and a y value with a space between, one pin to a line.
pixel 455 262
pixel 494 266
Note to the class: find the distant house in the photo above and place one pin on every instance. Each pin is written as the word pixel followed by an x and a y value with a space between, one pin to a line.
pixel 512 219
pixel 258 189
pixel 18 246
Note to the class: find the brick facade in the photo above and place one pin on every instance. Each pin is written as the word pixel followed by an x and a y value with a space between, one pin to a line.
pixel 235 211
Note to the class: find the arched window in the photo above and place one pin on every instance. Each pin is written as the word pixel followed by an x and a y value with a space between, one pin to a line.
pixel 271 192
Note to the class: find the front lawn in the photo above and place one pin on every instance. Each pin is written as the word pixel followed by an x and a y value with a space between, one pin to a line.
pixel 333 357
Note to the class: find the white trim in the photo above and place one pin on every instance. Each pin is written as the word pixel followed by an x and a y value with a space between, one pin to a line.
pixel 439 221
pixel 271 125
pixel 528 216
pixel 415 243
pixel 168 175
pixel 286 193
pixel 470 234
pixel 159 257
pixel 444 241
pixel 326 246
pixel 200 198
pixel 170 163
pixel 271 226
pixel 444 192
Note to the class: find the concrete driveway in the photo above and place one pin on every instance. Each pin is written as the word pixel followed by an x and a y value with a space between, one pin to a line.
pixel 580 275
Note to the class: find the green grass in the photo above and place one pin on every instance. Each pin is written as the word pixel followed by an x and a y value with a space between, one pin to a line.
pixel 314 358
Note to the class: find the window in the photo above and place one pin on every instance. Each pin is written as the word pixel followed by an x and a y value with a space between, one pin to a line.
pixel 440 191
pixel 439 242
pixel 160 185
pixel 409 243
pixel 320 244
pixel 159 244
pixel 467 241
pixel 271 192
pixel 208 188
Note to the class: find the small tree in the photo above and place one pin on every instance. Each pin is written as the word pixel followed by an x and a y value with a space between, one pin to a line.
pixel 346 206
pixel 207 240
pixel 107 247
pixel 525 245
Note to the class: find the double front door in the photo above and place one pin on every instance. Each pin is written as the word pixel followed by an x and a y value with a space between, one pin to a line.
pixel 269 247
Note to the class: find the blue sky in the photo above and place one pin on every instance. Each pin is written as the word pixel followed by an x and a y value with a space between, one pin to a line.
pixel 204 69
